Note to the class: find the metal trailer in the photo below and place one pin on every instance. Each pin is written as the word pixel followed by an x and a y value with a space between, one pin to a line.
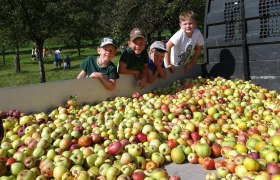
pixel 243 40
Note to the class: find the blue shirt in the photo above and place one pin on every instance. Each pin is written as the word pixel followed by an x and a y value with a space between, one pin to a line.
pixel 152 66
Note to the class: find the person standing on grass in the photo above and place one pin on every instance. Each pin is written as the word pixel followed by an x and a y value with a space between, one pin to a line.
pixel 58 58
pixel 185 45
pixel 66 63
pixel 102 67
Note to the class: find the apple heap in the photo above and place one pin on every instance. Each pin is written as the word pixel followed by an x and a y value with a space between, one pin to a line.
pixel 230 126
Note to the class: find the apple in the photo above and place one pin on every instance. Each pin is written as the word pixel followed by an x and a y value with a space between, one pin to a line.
pixel 271 157
pixel 238 159
pixel 222 171
pixel 16 168
pixel 202 150
pixel 141 137
pixel 26 174
pixel 30 162
pixel 273 168
pixel 150 165
pixel 177 155
pixel 58 171
pixel 112 173
pixel 172 143
pixel 193 158
pixel 157 158
pixel 241 171
pixel 138 175
pixel 208 163
pixel 135 150
pixel 115 148
pixel 164 149
pixel 178 178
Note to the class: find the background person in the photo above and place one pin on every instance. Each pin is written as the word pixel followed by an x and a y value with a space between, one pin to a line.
pixel 66 63
pixel 58 58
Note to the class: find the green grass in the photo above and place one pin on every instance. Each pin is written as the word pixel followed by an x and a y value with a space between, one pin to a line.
pixel 30 73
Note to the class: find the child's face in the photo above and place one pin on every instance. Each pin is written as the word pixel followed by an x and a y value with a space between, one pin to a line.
pixel 138 45
pixel 188 26
pixel 156 56
pixel 107 52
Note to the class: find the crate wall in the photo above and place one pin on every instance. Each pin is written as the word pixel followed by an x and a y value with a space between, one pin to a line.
pixel 243 40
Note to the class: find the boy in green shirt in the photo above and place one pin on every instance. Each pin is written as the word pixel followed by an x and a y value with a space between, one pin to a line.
pixel 101 67
pixel 134 59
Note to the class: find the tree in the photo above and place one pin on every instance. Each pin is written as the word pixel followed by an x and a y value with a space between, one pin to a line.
pixel 4 46
pixel 82 17
pixel 151 16
pixel 41 19
pixel 12 31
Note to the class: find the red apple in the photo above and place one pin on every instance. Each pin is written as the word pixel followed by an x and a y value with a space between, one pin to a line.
pixel 141 137
pixel 172 143
pixel 138 175
pixel 115 148
pixel 208 163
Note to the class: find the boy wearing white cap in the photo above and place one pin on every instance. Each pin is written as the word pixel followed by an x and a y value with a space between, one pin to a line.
pixel 101 67
pixel 156 67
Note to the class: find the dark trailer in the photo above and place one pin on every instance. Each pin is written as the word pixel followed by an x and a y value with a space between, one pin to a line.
pixel 243 40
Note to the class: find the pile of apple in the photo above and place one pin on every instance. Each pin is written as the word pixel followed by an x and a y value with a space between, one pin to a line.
pixel 192 121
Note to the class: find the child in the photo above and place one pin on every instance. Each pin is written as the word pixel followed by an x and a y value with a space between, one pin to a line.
pixel 67 62
pixel 185 42
pixel 134 59
pixel 156 67
pixel 101 67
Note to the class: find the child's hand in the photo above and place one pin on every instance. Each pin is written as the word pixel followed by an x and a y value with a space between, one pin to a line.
pixel 96 75
pixel 137 75
pixel 188 67
pixel 158 63
pixel 142 83
pixel 171 68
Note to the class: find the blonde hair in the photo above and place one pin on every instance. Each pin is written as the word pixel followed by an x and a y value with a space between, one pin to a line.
pixel 187 15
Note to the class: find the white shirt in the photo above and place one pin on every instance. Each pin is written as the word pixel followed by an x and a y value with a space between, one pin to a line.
pixel 184 46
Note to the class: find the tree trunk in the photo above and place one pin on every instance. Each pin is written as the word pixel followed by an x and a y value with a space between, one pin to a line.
pixel 149 38
pixel 159 35
pixel 79 47
pixel 17 61
pixel 4 58
pixel 41 62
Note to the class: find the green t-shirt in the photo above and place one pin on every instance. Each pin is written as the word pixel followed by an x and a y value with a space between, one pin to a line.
pixel 133 61
pixel 89 65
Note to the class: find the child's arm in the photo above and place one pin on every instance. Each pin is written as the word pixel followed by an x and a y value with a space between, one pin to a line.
pixel 167 61
pixel 161 71
pixel 144 79
pixel 109 84
pixel 82 74
pixel 124 70
pixel 195 57
pixel 152 76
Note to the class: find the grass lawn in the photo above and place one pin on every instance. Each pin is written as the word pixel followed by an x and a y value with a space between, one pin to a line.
pixel 30 73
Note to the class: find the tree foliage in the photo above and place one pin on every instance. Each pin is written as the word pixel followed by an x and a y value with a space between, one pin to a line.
pixel 74 21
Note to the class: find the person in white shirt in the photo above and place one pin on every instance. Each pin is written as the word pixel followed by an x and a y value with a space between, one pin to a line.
pixel 185 45
pixel 58 58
